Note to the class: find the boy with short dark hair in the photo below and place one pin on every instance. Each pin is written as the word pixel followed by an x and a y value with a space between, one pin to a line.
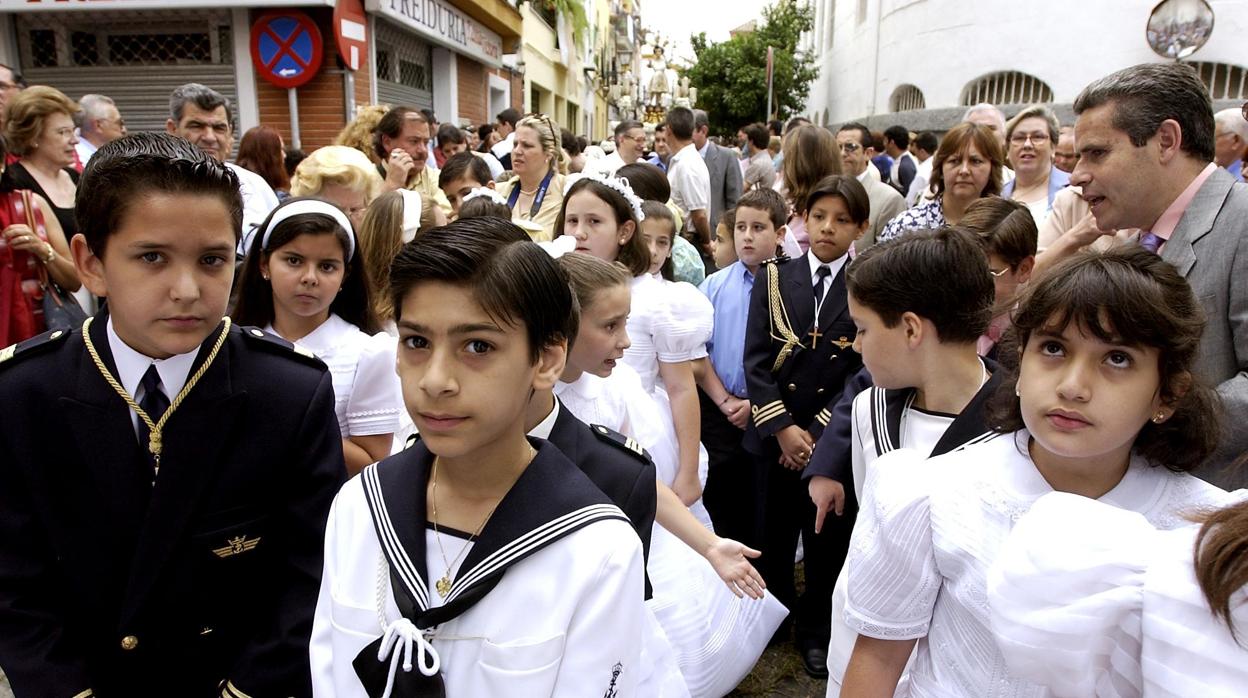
pixel 164 488
pixel 732 487
pixel 460 175
pixel 497 522
pixel 797 359
pixel 920 303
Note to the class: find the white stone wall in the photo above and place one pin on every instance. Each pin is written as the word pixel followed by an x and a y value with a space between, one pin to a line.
pixel 941 45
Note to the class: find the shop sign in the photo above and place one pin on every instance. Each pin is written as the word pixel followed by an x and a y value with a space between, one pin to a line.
pixel 445 25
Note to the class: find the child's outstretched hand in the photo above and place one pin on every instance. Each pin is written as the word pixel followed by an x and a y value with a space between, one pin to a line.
pixel 728 557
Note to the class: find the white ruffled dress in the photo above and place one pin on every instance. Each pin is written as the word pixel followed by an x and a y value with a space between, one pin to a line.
pixel 1091 600
pixel 716 637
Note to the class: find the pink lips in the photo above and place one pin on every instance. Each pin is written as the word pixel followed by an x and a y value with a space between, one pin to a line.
pixel 439 423
pixel 1065 420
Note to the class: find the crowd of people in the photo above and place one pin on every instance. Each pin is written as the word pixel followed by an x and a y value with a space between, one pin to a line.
pixel 444 411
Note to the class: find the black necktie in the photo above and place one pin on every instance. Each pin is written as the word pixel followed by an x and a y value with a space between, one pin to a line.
pixel 154 403
pixel 821 282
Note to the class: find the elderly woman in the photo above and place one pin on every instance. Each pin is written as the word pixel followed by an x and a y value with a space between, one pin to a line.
pixel 340 175
pixel 26 256
pixel 967 166
pixel 535 194
pixel 39 127
pixel 1032 135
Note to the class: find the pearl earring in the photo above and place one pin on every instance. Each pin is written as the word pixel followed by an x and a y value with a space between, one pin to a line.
pixel 1017 392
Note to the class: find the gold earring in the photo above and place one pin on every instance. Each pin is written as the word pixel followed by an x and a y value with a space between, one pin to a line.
pixel 1159 417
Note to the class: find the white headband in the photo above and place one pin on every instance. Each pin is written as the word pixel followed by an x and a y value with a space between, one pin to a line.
pixel 302 206
pixel 486 192
pixel 619 184
pixel 411 214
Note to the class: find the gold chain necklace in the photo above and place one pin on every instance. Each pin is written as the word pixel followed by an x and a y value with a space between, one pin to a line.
pixel 154 442
pixel 443 585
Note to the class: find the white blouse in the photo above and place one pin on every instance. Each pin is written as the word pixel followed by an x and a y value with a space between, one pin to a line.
pixel 927 532
pixel 1090 600
pixel 367 394
pixel 669 321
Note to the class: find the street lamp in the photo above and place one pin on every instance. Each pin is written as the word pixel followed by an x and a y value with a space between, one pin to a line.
pixel 1178 28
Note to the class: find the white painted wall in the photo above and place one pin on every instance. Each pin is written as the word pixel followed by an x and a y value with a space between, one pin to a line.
pixel 941 45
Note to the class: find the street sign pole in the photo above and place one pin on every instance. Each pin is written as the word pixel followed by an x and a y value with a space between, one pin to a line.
pixel 771 58
pixel 293 96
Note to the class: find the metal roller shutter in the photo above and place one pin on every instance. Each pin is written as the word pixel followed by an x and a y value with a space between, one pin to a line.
pixel 404 68
pixel 136 58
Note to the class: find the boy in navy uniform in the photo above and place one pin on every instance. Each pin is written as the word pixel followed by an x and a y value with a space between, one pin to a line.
pixel 798 355
pixel 164 476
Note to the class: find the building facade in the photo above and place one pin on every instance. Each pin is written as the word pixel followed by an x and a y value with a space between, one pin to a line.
pixel 920 63
pixel 441 54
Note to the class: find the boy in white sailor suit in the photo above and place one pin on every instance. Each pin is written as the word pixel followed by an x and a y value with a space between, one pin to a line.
pixel 920 304
pixel 477 562
pixel 797 359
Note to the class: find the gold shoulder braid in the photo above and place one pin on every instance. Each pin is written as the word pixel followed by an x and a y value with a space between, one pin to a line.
pixel 781 329
pixel 154 444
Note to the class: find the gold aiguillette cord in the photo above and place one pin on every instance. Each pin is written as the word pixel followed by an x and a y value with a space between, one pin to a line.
pixel 155 429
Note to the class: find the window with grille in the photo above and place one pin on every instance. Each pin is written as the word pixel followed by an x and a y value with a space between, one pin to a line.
pixel 403 59
pixel 906 98
pixel 1010 87
pixel 1225 81
pixel 92 39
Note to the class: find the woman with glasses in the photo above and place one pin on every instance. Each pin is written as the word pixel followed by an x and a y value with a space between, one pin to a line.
pixel 535 193
pixel 1031 136
pixel 40 129
pixel 340 175
pixel 967 167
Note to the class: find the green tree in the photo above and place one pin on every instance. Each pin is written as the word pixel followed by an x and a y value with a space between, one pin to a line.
pixel 731 76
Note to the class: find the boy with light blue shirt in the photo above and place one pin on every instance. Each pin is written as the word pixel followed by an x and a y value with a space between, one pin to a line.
pixel 732 487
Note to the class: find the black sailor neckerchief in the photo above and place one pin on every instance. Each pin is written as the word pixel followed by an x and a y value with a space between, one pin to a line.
pixel 550 500
pixel 970 427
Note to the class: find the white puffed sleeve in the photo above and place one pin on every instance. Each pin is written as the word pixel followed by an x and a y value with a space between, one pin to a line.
pixel 684 323
pixel 376 396
pixel 893 578
pixel 1066 595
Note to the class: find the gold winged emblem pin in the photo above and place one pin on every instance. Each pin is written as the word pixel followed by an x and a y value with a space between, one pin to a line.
pixel 236 545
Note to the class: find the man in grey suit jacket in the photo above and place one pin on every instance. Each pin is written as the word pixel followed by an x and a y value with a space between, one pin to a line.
pixel 722 164
pixel 886 203
pixel 1145 134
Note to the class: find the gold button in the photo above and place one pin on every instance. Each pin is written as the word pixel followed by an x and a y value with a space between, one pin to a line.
pixel 56 334
pixel 257 333
pixel 792 387
pixel 129 642
pixel 819 391
pixel 831 357
pixel 206 631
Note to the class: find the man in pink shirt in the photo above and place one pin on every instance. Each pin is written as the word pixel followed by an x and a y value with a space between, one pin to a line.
pixel 1146 139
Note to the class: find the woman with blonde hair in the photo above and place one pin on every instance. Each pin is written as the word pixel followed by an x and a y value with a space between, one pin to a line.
pixel 810 154
pixel 39 126
pixel 343 176
pixel 535 193
pixel 392 220
pixel 359 133
pixel 1031 137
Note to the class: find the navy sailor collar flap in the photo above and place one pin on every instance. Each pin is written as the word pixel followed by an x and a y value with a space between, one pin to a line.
pixel 969 427
pixel 551 499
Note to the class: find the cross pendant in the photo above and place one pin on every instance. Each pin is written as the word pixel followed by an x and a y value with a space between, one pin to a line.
pixel 815 334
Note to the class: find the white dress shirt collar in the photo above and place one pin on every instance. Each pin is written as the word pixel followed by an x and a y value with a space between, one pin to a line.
pixel 834 267
pixel 131 365
pixel 706 147
pixel 544 427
